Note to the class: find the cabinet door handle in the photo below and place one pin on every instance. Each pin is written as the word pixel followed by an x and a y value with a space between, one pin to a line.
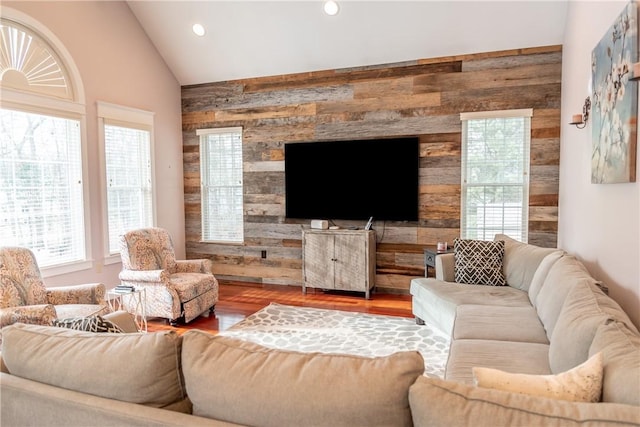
pixel 334 259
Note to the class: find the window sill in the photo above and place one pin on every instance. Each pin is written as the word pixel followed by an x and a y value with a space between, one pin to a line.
pixel 72 267
pixel 112 259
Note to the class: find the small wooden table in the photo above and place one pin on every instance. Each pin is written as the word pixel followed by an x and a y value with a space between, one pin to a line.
pixel 430 253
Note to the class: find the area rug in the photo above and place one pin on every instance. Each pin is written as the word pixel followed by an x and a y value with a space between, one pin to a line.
pixel 333 331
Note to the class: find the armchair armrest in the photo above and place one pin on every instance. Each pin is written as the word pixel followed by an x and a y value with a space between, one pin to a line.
pixel 445 267
pixel 144 277
pixel 42 314
pixel 195 266
pixel 89 293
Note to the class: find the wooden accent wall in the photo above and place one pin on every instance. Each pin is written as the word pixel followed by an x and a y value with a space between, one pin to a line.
pixel 423 97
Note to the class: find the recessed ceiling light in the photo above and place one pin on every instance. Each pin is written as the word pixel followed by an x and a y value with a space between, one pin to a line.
pixel 198 29
pixel 331 7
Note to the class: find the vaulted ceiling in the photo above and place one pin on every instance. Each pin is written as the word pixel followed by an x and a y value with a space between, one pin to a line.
pixel 247 39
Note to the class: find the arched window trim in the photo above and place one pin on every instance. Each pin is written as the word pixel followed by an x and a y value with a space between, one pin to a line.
pixel 77 89
pixel 30 101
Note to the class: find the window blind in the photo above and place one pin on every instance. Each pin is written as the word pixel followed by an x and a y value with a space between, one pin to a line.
pixel 495 176
pixel 41 195
pixel 221 185
pixel 129 182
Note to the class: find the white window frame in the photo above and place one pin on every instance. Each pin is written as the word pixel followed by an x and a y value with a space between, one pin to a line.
pixel 72 107
pixel 126 117
pixel 523 184
pixel 204 165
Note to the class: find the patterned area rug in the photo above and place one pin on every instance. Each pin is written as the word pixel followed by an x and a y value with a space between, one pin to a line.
pixel 332 331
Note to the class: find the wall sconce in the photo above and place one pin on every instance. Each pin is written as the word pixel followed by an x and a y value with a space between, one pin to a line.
pixel 580 120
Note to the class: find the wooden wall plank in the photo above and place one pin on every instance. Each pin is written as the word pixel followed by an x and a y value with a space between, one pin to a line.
pixel 423 98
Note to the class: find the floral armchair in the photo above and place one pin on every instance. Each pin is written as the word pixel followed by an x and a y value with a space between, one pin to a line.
pixel 24 298
pixel 174 289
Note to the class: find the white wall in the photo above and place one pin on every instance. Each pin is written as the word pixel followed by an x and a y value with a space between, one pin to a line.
pixel 600 224
pixel 118 64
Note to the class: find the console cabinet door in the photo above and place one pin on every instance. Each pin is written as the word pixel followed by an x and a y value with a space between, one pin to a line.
pixel 350 260
pixel 318 265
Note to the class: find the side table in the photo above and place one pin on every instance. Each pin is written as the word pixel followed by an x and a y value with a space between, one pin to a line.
pixel 430 253
pixel 134 302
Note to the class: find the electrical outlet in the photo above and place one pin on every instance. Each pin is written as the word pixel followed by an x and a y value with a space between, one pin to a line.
pixel 263 254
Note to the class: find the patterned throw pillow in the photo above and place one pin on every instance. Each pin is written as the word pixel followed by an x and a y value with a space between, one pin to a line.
pixel 88 324
pixel 580 384
pixel 479 262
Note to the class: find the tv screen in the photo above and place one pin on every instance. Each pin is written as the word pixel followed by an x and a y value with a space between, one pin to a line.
pixel 352 180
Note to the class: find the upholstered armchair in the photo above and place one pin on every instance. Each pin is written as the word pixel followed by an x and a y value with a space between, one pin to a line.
pixel 174 288
pixel 24 297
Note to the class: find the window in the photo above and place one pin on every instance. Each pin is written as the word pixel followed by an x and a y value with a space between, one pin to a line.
pixel 41 147
pixel 221 184
pixel 41 186
pixel 495 174
pixel 126 135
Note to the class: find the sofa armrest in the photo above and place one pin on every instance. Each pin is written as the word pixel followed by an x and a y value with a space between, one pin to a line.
pixel 144 277
pixel 89 293
pixel 195 266
pixel 445 267
pixel 41 314
pixel 50 405
pixel 463 404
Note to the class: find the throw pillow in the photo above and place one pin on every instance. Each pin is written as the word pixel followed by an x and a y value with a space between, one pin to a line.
pixel 88 324
pixel 580 384
pixel 479 262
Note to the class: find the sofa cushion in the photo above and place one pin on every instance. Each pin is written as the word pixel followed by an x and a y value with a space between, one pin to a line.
pixel 435 402
pixel 438 301
pixel 620 347
pixel 541 274
pixel 521 260
pixel 125 320
pixel 88 324
pixel 136 368
pixel 479 262
pixel 580 384
pixel 611 308
pixel 245 383
pixel 576 326
pixel 563 275
pixel 520 357
pixel 498 323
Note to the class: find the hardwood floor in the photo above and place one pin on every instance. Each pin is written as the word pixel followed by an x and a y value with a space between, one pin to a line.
pixel 238 300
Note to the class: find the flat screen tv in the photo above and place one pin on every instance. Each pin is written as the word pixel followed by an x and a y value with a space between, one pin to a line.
pixel 353 180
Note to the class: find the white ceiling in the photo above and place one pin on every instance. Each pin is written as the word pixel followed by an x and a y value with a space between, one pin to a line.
pixel 261 38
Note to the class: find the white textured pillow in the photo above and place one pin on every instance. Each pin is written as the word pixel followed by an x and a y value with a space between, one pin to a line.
pixel 580 384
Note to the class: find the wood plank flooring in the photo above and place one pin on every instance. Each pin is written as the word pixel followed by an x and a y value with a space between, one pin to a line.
pixel 238 300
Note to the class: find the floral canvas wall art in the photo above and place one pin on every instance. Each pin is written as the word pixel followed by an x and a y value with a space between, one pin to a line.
pixel 615 101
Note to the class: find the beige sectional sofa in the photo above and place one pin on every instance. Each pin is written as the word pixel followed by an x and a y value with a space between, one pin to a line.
pixel 59 377
pixel 552 317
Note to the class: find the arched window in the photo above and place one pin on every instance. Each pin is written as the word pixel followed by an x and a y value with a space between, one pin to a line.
pixel 28 63
pixel 42 174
